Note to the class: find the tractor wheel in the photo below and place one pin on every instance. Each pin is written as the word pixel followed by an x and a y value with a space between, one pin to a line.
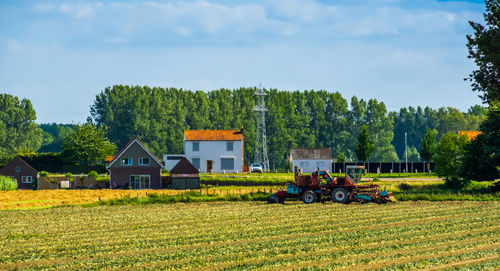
pixel 340 195
pixel 309 197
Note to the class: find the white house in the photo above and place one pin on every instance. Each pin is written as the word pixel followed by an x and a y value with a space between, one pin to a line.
pixel 310 159
pixel 214 150
pixel 170 160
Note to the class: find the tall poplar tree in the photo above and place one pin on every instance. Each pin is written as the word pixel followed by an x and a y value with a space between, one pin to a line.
pixel 364 147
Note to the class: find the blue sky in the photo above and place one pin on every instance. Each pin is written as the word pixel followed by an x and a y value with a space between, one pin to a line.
pixel 60 54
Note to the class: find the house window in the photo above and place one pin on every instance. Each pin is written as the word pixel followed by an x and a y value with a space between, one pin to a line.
pixel 304 164
pixel 196 146
pixel 229 146
pixel 227 163
pixel 18 169
pixel 143 161
pixel 320 164
pixel 127 162
pixel 140 181
pixel 27 179
pixel 196 162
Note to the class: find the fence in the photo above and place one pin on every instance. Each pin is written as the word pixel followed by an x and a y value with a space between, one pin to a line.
pixel 386 167
pixel 76 182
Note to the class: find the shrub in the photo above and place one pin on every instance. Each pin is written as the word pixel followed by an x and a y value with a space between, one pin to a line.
pixel 7 183
pixel 69 175
pixel 164 170
pixel 102 179
pixel 93 174
pixel 44 173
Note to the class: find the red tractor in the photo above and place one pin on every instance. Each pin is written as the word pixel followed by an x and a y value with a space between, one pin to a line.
pixel 320 186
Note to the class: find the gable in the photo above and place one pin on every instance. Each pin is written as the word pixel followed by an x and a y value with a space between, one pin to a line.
pixel 135 150
pixel 184 167
pixel 25 169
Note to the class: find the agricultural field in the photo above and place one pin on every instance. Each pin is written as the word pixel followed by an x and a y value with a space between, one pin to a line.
pixel 28 199
pixel 253 235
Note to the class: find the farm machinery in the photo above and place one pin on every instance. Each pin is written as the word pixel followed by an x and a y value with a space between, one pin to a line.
pixel 321 186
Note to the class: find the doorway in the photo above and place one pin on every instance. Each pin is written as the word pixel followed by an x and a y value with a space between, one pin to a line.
pixel 210 166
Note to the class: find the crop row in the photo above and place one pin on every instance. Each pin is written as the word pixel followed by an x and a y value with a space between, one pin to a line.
pixel 243 235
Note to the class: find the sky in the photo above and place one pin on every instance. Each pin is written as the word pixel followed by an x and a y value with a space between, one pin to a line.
pixel 61 54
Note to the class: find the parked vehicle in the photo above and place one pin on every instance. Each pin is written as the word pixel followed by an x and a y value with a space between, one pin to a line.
pixel 320 186
pixel 256 168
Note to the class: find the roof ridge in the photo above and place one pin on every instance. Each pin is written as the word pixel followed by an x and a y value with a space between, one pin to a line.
pixel 128 145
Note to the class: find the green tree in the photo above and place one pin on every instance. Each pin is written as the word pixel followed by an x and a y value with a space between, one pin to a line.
pixel 482 154
pixel 449 157
pixel 18 130
pixel 484 48
pixel 364 147
pixel 428 146
pixel 380 127
pixel 53 136
pixel 413 154
pixel 340 157
pixel 87 143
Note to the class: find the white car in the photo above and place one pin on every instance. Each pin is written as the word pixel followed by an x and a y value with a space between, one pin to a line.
pixel 256 168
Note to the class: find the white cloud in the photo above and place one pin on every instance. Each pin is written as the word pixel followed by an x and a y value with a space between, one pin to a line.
pixel 14 45
pixel 79 11
pixel 44 7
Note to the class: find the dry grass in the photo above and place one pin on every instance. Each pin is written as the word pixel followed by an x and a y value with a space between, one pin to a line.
pixel 27 199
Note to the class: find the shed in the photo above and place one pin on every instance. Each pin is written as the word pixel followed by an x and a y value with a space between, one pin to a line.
pixel 22 172
pixel 184 175
pixel 310 159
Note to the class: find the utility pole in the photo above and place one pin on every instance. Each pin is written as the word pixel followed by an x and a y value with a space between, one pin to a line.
pixel 261 141
pixel 406 152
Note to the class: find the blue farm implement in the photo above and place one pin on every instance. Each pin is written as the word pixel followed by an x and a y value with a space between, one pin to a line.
pixel 320 186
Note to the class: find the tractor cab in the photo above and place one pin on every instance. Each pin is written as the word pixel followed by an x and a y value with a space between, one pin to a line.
pixel 353 173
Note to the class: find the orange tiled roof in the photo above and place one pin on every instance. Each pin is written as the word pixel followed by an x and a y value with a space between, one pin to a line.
pixel 469 134
pixel 213 135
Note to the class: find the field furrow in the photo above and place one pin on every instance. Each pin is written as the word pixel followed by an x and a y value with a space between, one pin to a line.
pixel 250 235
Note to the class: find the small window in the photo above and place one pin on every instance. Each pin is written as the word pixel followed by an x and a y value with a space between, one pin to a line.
pixel 196 162
pixel 143 161
pixel 18 169
pixel 27 179
pixel 320 164
pixel 196 146
pixel 229 146
pixel 304 164
pixel 127 161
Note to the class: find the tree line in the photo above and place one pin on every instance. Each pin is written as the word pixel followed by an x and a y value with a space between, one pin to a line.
pixel 159 116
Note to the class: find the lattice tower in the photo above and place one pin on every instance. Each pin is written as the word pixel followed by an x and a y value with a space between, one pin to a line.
pixel 261 141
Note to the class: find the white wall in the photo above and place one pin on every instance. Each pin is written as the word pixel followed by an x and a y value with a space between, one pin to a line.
pixel 215 150
pixel 312 165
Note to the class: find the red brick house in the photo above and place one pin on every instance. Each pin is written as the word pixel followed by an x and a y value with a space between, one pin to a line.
pixel 135 167
pixel 22 172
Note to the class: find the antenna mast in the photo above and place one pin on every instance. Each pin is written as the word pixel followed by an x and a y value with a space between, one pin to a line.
pixel 261 142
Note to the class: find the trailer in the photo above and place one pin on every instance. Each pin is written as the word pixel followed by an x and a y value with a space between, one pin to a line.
pixel 320 186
